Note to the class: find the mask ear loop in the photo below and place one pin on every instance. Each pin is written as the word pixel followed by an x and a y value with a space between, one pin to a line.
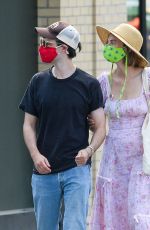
pixel 110 76
pixel 123 87
pixel 110 94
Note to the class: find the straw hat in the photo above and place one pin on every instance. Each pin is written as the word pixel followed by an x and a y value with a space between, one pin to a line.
pixel 126 33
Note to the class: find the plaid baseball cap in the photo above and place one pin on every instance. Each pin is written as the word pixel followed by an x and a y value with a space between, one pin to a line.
pixel 61 30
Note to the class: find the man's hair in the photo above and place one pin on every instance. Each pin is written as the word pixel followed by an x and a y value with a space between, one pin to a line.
pixel 71 52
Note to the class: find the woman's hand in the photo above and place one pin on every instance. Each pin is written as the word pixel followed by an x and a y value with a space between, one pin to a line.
pixel 91 123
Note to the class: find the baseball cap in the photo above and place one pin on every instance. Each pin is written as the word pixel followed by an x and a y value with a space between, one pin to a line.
pixel 61 30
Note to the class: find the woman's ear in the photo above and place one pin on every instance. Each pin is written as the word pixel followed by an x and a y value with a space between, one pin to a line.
pixel 126 49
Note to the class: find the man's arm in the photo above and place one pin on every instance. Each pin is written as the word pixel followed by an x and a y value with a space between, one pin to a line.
pixel 98 137
pixel 29 131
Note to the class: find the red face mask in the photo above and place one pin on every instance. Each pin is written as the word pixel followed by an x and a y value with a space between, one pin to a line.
pixel 47 54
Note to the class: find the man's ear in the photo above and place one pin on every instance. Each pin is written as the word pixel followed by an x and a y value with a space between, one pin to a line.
pixel 65 48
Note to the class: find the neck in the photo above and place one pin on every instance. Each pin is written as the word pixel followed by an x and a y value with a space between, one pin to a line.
pixel 132 71
pixel 120 70
pixel 63 69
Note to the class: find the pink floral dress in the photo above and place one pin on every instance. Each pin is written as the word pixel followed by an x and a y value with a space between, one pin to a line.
pixel 122 196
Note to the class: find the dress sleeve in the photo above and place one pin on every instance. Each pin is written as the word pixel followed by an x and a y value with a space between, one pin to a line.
pixel 28 101
pixel 104 83
pixel 148 74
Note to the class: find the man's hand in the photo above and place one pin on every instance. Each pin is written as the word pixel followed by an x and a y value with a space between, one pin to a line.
pixel 41 164
pixel 82 157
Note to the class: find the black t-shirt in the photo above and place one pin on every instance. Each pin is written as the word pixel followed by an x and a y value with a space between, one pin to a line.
pixel 62 107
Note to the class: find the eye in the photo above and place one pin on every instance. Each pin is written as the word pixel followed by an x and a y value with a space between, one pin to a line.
pixel 42 42
pixel 113 42
pixel 47 43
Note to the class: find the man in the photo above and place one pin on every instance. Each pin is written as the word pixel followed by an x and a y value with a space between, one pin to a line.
pixel 56 105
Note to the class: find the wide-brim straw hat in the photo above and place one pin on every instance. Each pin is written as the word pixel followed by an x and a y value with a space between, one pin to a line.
pixel 126 33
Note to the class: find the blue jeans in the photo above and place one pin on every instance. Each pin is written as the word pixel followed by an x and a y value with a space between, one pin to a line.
pixel 73 186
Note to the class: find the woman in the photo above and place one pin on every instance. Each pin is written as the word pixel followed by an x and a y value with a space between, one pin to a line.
pixel 122 196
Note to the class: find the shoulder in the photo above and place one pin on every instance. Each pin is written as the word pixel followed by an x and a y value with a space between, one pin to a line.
pixel 86 77
pixel 148 72
pixel 104 83
pixel 103 77
pixel 40 75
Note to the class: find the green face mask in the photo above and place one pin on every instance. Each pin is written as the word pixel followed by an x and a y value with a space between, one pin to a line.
pixel 113 54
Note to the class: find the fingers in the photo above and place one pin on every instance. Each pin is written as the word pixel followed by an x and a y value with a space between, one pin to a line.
pixel 90 120
pixel 43 166
pixel 81 158
pixel 89 116
pixel 91 123
pixel 43 170
pixel 47 162
pixel 80 154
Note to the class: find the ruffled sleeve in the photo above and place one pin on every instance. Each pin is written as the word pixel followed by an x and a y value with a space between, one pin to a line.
pixel 148 74
pixel 104 83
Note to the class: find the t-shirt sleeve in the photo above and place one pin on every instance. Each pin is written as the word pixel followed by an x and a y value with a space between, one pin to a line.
pixel 28 101
pixel 96 96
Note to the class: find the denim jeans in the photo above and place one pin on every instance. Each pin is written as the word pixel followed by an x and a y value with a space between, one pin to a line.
pixel 73 186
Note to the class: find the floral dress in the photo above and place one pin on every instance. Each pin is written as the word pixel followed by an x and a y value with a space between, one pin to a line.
pixel 122 196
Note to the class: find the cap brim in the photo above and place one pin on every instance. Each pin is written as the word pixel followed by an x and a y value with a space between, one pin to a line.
pixel 44 32
pixel 103 35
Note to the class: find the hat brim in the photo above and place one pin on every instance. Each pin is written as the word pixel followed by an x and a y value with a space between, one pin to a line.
pixel 44 32
pixel 103 35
